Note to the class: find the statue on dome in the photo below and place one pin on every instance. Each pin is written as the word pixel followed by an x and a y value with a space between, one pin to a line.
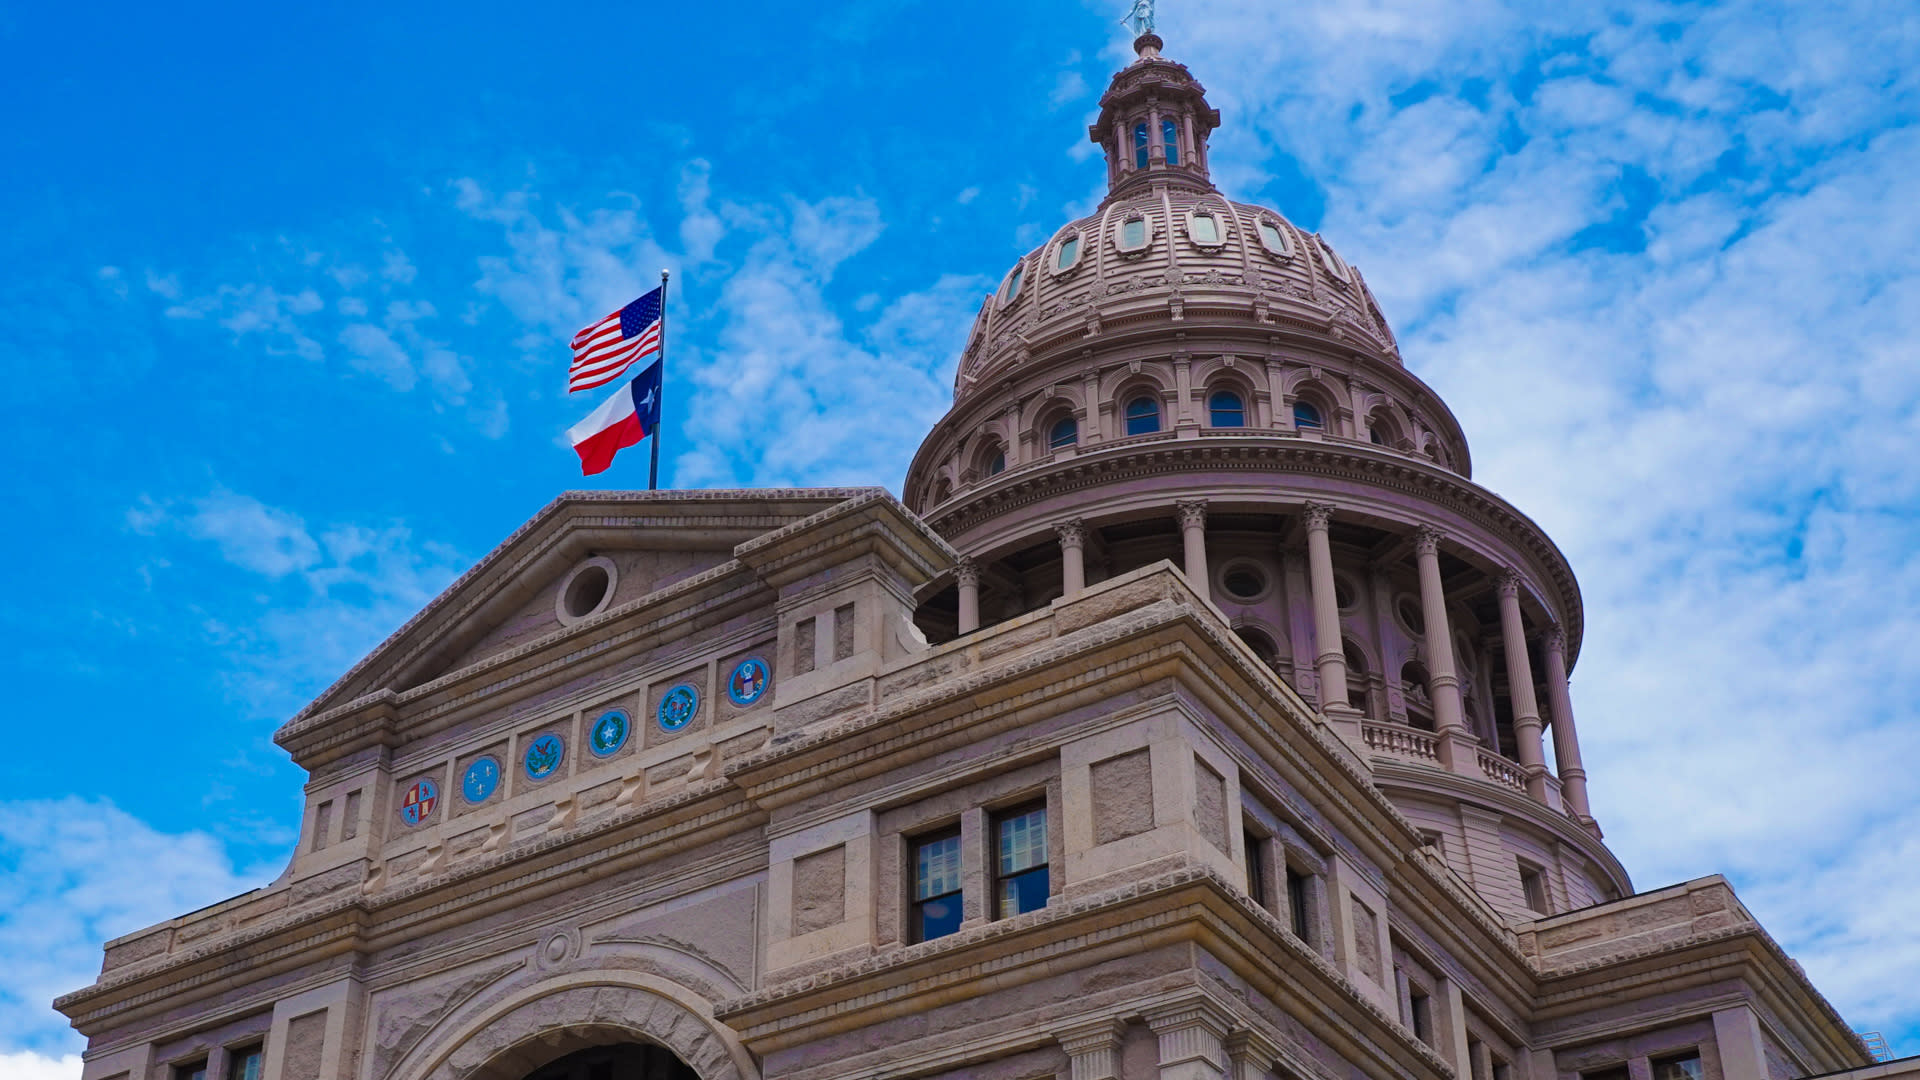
pixel 1140 17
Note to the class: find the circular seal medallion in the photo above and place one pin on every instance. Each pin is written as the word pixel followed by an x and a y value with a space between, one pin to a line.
pixel 678 707
pixel 609 732
pixel 480 780
pixel 418 803
pixel 749 681
pixel 543 756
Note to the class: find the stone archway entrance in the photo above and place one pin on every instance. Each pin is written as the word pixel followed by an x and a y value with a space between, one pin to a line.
pixel 622 1061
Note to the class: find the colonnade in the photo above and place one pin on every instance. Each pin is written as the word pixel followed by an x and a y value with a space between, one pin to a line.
pixel 1457 747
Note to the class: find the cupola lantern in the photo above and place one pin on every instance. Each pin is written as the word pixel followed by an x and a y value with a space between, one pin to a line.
pixel 1154 122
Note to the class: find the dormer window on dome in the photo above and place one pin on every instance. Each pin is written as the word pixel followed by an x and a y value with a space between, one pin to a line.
pixel 1204 229
pixel 1133 235
pixel 1273 238
pixel 1010 289
pixel 1067 255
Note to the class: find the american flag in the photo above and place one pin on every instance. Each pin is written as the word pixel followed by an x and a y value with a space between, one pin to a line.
pixel 604 351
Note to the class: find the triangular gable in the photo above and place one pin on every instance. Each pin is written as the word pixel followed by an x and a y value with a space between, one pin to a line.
pixel 652 538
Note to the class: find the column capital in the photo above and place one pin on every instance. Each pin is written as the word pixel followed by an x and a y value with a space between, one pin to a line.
pixel 1316 514
pixel 1556 639
pixel 966 571
pixel 1093 1047
pixel 1507 580
pixel 1426 540
pixel 1073 532
pixel 1192 513
pixel 1190 1030
pixel 1251 1054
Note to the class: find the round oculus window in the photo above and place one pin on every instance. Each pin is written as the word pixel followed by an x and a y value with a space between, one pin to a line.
pixel 1410 614
pixel 587 591
pixel 1343 596
pixel 1244 582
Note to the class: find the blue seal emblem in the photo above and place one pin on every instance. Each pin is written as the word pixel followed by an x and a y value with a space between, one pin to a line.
pixel 609 732
pixel 749 681
pixel 481 779
pixel 678 707
pixel 418 803
pixel 543 756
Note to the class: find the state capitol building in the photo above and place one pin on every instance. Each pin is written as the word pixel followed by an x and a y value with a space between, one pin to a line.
pixel 1187 719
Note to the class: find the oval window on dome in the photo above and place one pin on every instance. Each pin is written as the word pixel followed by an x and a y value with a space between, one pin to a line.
pixel 1170 135
pixel 1334 263
pixel 1068 253
pixel 1012 287
pixel 1205 229
pixel 1133 233
pixel 1273 239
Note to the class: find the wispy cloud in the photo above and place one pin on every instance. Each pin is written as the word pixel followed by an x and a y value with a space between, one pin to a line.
pixel 1662 268
pixel 75 873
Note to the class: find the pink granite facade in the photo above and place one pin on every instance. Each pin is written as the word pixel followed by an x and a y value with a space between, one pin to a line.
pixel 1188 719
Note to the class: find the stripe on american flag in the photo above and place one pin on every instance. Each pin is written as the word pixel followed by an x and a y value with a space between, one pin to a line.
pixel 604 351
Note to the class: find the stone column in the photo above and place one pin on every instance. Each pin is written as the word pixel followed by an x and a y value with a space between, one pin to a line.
pixel 1192 1036
pixel 1183 415
pixel 1073 567
pixel 1250 1055
pixel 1193 538
pixel 1566 741
pixel 1526 708
pixel 966 574
pixel 1443 679
pixel 1330 659
pixel 1093 1048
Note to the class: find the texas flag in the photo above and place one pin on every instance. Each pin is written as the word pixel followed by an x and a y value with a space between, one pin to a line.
pixel 628 416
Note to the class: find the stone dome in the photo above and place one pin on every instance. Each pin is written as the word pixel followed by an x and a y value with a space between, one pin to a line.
pixel 1179 376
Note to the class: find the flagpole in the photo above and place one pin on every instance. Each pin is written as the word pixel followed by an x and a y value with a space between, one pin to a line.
pixel 653 466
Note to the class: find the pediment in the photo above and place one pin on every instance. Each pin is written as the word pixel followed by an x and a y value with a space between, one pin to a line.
pixel 640 542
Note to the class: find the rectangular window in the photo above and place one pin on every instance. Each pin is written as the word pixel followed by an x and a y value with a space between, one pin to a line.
pixel 244 1064
pixel 1502 1070
pixel 1533 884
pixel 195 1071
pixel 936 886
pixel 1256 846
pixel 1616 1072
pixel 1298 905
pixel 1020 881
pixel 1679 1067
pixel 1421 1006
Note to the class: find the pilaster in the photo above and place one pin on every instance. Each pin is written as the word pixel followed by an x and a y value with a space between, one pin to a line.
pixel 1093 1048
pixel 1192 1038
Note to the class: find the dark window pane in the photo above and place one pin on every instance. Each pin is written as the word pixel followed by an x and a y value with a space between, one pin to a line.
pixel 1069 252
pixel 1133 233
pixel 1297 900
pixel 1143 416
pixel 1256 867
pixel 999 463
pixel 937 867
pixel 1227 410
pixel 1307 415
pixel 1140 146
pixel 1679 1067
pixel 936 918
pixel 1064 432
pixel 1022 893
pixel 1170 134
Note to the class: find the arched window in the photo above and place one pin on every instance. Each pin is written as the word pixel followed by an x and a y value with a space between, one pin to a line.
pixel 1139 146
pixel 1069 252
pixel 1170 135
pixel 1261 644
pixel 1064 432
pixel 1225 409
pixel 1143 415
pixel 997 464
pixel 1373 435
pixel 1307 415
pixel 1356 676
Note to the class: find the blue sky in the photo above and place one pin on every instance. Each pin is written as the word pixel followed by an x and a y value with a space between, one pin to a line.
pixel 286 293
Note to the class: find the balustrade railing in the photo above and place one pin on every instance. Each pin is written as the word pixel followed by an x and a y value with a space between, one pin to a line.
pixel 1401 741
pixel 1501 771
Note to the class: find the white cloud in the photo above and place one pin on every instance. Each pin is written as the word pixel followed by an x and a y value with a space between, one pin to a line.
pixel 75 873
pixel 1719 429
pixel 27 1065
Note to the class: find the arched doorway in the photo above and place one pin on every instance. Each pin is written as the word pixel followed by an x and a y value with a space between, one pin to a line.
pixel 621 1061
